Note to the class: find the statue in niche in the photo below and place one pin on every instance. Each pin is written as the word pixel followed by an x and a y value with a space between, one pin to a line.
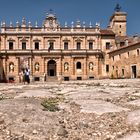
pixel 37 67
pixel 91 66
pixel 11 67
pixel 66 66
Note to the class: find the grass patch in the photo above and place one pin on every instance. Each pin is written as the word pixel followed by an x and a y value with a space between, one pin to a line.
pixel 2 97
pixel 51 104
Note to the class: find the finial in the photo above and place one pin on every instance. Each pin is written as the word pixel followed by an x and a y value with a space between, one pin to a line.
pixel 11 24
pixel 29 23
pixel 4 24
pixel 90 24
pixel 36 24
pixel 97 24
pixel 17 24
pixel 78 24
pixel 51 11
pixel 117 8
pixel 66 25
pixel 23 21
pixel 84 23
pixel 72 24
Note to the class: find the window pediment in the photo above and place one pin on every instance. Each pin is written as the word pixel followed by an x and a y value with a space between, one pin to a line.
pixel 36 40
pixel 23 39
pixel 66 39
pixel 78 39
pixel 10 40
pixel 90 39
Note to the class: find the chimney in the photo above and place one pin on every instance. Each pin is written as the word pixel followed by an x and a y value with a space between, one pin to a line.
pixel 135 38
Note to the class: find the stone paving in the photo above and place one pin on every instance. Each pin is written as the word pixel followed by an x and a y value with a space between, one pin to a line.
pixel 88 110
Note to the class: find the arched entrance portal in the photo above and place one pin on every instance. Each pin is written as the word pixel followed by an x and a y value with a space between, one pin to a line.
pixel 51 67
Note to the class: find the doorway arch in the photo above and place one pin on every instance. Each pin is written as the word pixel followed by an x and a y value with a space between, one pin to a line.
pixel 51 67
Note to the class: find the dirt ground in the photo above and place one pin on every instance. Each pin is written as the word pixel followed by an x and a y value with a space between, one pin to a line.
pixel 73 110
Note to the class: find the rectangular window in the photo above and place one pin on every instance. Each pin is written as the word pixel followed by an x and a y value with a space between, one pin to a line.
pixel 122 72
pixel 51 46
pixel 79 78
pixel 36 45
pixel 107 68
pixel 65 45
pixel 107 45
pixel 113 67
pixel 66 78
pixel 23 45
pixel 138 52
pixel 90 45
pixel 78 45
pixel 128 54
pixel 11 45
pixel 113 58
pixel 36 78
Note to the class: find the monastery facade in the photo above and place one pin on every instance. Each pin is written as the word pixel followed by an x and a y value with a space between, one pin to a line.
pixel 75 52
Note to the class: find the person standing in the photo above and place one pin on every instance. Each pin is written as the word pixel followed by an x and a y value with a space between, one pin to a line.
pixel 27 75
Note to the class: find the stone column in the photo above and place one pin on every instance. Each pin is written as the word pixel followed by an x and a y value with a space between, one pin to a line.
pixel 4 61
pixel 30 61
pixel 45 68
pixel 72 68
pixel 59 70
pixel 85 68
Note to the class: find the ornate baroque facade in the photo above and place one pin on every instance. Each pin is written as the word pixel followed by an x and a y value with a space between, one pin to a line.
pixel 73 52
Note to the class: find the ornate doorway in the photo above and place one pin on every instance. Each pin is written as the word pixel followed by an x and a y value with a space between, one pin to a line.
pixel 51 67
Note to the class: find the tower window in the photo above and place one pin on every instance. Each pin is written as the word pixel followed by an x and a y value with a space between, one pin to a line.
pixel 122 44
pixel 107 45
pixel 23 45
pixel 90 45
pixel 78 45
pixel 65 45
pixel 36 45
pixel 11 45
pixel 120 26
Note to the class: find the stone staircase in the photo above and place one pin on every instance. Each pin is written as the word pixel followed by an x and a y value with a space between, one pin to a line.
pixel 51 79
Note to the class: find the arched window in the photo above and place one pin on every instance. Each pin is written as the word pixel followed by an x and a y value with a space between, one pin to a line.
pixel 37 67
pixel 78 65
pixel 66 66
pixel 11 67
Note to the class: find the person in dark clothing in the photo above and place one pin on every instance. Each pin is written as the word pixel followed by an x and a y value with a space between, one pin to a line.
pixel 27 75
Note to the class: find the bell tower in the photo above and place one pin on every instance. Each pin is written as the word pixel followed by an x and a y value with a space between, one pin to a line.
pixel 118 22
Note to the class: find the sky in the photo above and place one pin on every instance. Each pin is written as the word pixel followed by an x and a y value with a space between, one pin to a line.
pixel 71 10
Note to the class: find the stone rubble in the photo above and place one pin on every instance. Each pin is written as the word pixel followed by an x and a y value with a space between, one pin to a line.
pixel 91 110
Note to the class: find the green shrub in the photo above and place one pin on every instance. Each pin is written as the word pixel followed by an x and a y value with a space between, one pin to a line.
pixel 51 104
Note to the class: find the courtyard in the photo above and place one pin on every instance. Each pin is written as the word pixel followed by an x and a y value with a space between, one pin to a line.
pixel 74 110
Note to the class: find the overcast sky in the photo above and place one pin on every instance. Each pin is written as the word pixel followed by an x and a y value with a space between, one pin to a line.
pixel 71 10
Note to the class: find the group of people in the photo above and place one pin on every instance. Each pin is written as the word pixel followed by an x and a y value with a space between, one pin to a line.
pixel 24 76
